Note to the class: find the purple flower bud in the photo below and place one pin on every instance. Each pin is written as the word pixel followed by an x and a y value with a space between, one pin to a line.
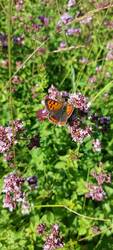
pixel 18 40
pixel 32 181
pixel 40 228
pixel 42 114
pixel 72 31
pixel 44 20
pixel 71 3
pixel 34 142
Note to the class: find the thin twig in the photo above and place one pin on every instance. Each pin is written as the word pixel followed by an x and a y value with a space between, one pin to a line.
pixel 28 58
pixel 67 49
pixel 90 13
pixel 94 235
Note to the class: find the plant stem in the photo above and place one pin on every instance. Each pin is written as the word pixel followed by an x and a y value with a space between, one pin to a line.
pixel 72 211
pixel 9 24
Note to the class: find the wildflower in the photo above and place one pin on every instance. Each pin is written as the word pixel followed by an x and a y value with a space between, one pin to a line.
pixel 13 190
pixel 18 125
pixel 41 51
pixel 8 156
pixel 63 45
pixel 32 181
pixel 79 101
pixel 86 20
pixel 104 120
pixel 102 4
pixel 101 177
pixel 108 74
pixel 44 20
pixel 94 117
pixel 72 31
pixel 78 134
pixel 25 206
pixel 40 228
pixel 8 202
pixel 8 135
pixel 4 63
pixel 16 80
pixel 74 121
pixel 34 142
pixel 42 114
pixel 71 3
pixel 18 40
pixel 109 24
pixel 18 64
pixel 98 69
pixel 54 93
pixel 3 40
pixel 109 56
pixel 83 60
pixel 53 241
pixel 110 45
pixel 92 79
pixel 96 145
pixel 19 4
pixel 95 230
pixel 95 192
pixel 66 18
pixel 36 27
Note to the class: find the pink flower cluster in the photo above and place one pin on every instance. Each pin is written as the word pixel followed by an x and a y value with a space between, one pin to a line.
pixel 97 145
pixel 18 4
pixel 101 177
pixel 96 192
pixel 78 134
pixel 109 56
pixel 53 241
pixel 8 134
pixel 80 102
pixel 13 189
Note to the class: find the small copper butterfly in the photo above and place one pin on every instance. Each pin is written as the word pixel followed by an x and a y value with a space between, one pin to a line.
pixel 59 111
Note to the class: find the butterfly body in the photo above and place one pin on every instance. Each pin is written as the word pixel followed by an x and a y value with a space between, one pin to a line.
pixel 59 111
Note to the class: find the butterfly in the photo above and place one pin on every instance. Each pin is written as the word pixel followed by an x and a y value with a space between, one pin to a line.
pixel 59 111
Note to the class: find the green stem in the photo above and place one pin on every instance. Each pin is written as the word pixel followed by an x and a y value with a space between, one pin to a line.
pixel 9 24
pixel 72 211
pixel 106 88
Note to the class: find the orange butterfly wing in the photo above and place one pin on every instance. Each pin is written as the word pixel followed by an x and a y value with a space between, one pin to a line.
pixel 59 112
pixel 69 109
pixel 53 105
pixel 56 121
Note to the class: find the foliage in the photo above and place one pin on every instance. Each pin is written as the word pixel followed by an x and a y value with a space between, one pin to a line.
pixel 32 59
